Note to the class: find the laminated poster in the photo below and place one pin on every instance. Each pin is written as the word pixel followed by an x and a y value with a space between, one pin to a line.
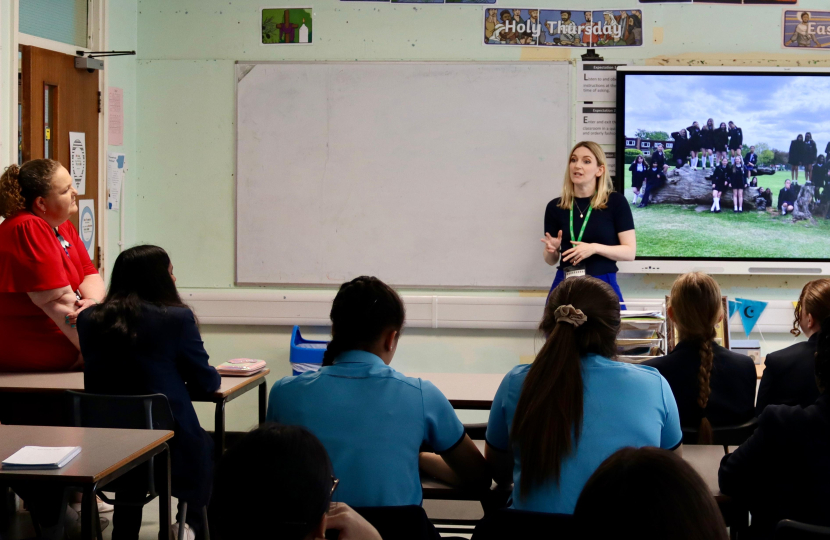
pixel 86 225
pixel 563 28
pixel 806 30
pixel 77 160
pixel 286 26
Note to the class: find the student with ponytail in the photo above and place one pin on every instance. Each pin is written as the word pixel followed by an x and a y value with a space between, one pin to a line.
pixel 713 386
pixel 371 419
pixel 47 276
pixel 553 422
pixel 789 378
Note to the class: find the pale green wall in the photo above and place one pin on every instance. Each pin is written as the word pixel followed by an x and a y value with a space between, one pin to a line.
pixel 183 186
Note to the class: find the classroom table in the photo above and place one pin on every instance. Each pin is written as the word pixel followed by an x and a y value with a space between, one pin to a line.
pixel 474 391
pixel 705 459
pixel 106 454
pixel 230 389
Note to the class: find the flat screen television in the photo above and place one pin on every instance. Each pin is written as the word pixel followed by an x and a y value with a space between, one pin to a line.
pixel 680 229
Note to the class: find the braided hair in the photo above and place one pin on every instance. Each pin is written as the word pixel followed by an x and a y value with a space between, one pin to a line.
pixel 696 309
pixel 363 310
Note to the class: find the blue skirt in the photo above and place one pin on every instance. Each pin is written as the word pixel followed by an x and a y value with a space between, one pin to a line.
pixel 610 279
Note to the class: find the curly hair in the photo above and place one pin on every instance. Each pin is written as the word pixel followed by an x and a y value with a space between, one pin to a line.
pixel 815 301
pixel 20 186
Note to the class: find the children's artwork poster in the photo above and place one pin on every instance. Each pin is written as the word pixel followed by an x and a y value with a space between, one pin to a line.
pixel 598 124
pixel 286 26
pixel 597 81
pixel 806 29
pixel 563 28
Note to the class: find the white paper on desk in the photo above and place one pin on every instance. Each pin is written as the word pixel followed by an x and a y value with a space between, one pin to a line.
pixel 116 165
pixel 77 160
pixel 41 457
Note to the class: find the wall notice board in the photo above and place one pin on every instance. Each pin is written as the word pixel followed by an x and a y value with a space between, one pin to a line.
pixel 423 174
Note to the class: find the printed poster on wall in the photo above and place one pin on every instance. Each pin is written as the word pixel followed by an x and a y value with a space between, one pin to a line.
pixel 116 166
pixel 746 2
pixel 563 28
pixel 77 160
pixel 598 124
pixel 286 26
pixel 115 134
pixel 806 30
pixel 597 81
pixel 86 225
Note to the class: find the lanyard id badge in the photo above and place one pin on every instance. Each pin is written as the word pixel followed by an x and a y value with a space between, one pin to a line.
pixel 577 270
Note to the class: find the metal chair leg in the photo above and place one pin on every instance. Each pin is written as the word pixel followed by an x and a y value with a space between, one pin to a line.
pixel 205 526
pixel 182 520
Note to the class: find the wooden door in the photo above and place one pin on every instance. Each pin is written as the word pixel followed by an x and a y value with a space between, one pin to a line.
pixel 57 99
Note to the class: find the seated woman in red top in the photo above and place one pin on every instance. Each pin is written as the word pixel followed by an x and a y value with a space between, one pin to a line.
pixel 47 277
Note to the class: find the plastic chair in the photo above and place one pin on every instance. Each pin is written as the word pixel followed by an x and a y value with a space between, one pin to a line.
pixel 724 435
pixel 400 522
pixel 129 412
pixel 305 354
pixel 506 523
pixel 788 529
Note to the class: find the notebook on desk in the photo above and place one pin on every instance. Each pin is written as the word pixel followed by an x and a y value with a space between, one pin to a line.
pixel 41 457
pixel 241 367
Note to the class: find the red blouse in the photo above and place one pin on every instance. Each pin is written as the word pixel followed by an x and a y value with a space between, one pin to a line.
pixel 33 259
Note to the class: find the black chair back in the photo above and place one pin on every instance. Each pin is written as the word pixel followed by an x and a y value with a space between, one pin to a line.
pixel 788 529
pixel 724 435
pixel 124 412
pixel 506 524
pixel 400 522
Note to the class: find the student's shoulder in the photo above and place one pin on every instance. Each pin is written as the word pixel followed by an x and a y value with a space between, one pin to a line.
pixel 786 355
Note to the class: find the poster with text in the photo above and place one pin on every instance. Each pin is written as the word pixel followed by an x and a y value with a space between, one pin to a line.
pixel 598 124
pixel 806 30
pixel 77 160
pixel 746 2
pixel 287 26
pixel 511 26
pixel 597 81
pixel 86 225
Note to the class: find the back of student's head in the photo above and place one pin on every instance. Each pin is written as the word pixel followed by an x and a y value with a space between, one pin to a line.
pixel 582 316
pixel 363 310
pixel 814 301
pixel 648 494
pixel 276 482
pixel 697 305
pixel 140 274
pixel 823 357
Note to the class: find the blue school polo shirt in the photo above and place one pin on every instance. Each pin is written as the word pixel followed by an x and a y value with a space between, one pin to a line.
pixel 372 421
pixel 623 405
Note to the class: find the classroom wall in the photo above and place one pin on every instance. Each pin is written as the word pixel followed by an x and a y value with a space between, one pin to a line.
pixel 183 175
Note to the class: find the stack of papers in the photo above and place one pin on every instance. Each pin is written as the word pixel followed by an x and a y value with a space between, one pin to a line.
pixel 632 314
pixel 41 457
pixel 241 367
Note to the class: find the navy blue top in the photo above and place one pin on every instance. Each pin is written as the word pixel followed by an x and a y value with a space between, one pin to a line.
pixel 731 384
pixel 372 421
pixel 790 376
pixel 623 405
pixel 603 227
pixel 168 357
pixel 783 470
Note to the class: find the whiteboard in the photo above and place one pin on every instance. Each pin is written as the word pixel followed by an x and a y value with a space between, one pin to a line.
pixel 422 174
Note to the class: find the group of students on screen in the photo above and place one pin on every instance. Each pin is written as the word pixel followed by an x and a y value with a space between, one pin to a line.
pixel 560 429
pixel 697 144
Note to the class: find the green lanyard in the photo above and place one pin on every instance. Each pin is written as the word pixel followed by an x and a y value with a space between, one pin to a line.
pixel 584 223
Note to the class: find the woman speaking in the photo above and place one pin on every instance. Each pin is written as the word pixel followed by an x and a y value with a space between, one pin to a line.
pixel 590 226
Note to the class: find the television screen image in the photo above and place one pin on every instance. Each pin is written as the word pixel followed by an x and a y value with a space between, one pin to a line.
pixel 722 165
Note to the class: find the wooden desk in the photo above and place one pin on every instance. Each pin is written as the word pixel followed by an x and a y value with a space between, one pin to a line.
pixel 57 383
pixel 106 454
pixel 465 390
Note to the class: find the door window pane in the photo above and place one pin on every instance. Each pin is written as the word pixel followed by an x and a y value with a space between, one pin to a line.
pixel 58 20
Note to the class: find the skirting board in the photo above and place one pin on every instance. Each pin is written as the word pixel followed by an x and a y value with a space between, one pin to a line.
pixel 287 308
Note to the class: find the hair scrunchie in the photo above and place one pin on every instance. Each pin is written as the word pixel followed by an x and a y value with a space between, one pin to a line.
pixel 571 315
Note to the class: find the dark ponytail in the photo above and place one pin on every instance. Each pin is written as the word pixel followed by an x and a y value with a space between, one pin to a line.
pixel 550 405
pixel 362 311
pixel 20 186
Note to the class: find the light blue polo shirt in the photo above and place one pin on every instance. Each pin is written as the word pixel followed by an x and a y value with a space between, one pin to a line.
pixel 623 405
pixel 372 421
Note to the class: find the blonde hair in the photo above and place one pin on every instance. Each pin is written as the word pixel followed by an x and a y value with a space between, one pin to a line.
pixel 696 309
pixel 815 301
pixel 604 185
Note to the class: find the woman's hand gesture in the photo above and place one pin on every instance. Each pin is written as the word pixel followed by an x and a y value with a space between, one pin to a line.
pixel 578 253
pixel 552 244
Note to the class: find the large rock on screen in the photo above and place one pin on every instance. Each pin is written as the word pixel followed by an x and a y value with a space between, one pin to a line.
pixel 694 187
